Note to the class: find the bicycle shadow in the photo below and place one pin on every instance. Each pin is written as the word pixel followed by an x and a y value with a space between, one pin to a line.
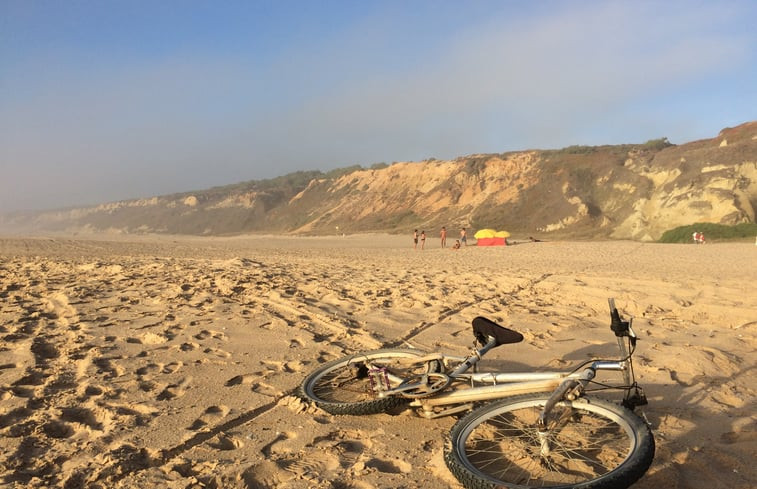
pixel 704 438
pixel 701 442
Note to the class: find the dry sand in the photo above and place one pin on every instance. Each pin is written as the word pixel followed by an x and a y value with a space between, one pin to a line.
pixel 170 362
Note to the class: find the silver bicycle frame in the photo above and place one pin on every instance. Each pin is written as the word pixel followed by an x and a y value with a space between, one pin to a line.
pixel 510 384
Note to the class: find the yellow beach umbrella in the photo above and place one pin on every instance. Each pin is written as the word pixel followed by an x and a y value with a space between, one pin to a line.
pixel 485 233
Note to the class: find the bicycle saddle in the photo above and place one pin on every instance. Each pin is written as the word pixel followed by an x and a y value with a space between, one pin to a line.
pixel 483 328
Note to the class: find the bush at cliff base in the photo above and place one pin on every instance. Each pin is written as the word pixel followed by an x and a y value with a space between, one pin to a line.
pixel 712 232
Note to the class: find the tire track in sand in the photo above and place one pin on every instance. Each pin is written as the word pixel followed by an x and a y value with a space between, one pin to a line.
pixel 423 326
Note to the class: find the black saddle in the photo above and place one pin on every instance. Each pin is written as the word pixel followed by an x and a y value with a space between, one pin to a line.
pixel 484 328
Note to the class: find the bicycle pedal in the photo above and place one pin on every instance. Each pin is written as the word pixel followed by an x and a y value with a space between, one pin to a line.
pixel 379 379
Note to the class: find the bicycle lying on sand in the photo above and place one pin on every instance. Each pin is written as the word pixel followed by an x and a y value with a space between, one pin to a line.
pixel 542 430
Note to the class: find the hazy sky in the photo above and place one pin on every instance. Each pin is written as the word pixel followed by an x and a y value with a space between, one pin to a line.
pixel 110 100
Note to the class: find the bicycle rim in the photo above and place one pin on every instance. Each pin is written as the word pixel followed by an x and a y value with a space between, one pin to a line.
pixel 591 444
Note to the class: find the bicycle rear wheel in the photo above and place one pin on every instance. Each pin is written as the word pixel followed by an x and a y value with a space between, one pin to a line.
pixel 348 385
pixel 592 443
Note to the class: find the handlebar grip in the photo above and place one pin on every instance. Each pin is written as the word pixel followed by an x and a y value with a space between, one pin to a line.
pixel 618 326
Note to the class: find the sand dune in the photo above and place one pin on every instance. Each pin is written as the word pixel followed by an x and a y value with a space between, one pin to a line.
pixel 171 362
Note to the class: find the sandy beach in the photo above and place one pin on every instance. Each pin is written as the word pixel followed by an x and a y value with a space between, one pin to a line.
pixel 170 362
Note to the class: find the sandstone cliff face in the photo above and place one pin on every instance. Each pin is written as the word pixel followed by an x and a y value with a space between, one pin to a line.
pixel 622 192
pixel 708 181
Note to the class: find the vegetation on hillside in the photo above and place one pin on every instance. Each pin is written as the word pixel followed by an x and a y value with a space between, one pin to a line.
pixel 657 144
pixel 712 232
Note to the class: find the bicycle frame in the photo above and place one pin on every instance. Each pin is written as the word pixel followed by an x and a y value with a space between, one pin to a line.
pixel 505 385
pixel 437 400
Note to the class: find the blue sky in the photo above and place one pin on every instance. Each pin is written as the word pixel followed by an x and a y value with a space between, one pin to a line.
pixel 110 100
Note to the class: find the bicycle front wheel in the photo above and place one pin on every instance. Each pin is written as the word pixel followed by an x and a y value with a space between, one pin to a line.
pixel 589 443
pixel 349 385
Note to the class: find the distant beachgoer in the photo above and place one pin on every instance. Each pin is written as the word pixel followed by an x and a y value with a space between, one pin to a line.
pixel 415 239
pixel 423 239
pixel 443 237
pixel 464 237
pixel 456 246
pixel 701 238
pixel 695 237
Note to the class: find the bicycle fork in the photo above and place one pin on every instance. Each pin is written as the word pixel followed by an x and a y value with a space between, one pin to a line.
pixel 569 389
pixel 565 390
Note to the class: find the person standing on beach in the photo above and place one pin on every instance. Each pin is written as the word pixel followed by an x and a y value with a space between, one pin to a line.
pixel 423 239
pixel 464 237
pixel 443 236
pixel 415 239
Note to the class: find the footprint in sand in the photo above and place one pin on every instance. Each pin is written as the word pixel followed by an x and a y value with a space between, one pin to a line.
pixel 93 391
pixel 226 442
pixel 148 370
pixel 349 446
pixel 293 366
pixel 205 334
pixel 44 350
pixel 58 429
pixel 266 474
pixel 189 346
pixel 213 414
pixel 388 466
pixel 273 366
pixel 174 391
pixel 14 417
pixel 173 367
pixel 218 411
pixel 325 356
pixel 151 385
pixel 147 339
pixel 241 379
pixel 282 444
pixel 108 367
pixel 82 416
pixel 318 464
pixel 266 389
pixel 217 352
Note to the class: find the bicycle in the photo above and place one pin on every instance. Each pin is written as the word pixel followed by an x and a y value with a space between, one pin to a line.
pixel 540 430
